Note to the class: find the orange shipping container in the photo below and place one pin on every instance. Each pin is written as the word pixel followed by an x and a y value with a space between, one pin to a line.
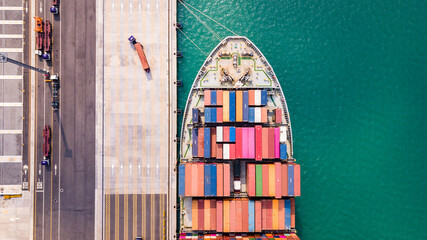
pixel 213 215
pixel 271 180
pixel 201 142
pixel 245 215
pixel 264 114
pixel 275 214
pixel 219 97
pixel 200 180
pixel 239 215
pixel 207 97
pixel 251 97
pixel 232 216
pixel 188 178
pixel 226 215
pixel 258 216
pixel 213 142
pixel 297 180
pixel 265 181
pixel 265 143
pixel 292 212
pixel 284 180
pixel 219 115
pixel 220 180
pixel 281 214
pixel 194 215
pixel 239 106
pixel 251 179
pixel 207 214
pixel 278 175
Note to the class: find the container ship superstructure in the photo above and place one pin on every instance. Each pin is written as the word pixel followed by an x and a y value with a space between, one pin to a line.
pixel 237 175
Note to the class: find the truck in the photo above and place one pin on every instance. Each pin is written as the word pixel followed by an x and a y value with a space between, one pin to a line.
pixel 140 50
pixel 46 145
pixel 47 40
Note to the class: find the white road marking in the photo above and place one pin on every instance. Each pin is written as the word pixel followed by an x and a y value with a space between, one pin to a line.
pixel 11 131
pixel 10 158
pixel 10 104
pixel 41 7
pixel 11 36
pixel 8 22
pixel 10 49
pixel 16 77
pixel 11 8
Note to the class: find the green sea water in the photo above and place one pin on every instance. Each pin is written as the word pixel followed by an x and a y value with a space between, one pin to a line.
pixel 354 74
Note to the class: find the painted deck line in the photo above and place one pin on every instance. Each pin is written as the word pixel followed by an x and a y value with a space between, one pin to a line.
pixel 10 159
pixel 10 131
pixel 10 22
pixel 11 36
pixel 10 104
pixel 11 8
pixel 16 77
pixel 11 50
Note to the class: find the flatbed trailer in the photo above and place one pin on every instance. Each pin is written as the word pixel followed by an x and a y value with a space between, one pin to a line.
pixel 140 49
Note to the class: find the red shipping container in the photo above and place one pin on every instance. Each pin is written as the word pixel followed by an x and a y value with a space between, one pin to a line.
pixel 292 212
pixel 251 97
pixel 200 179
pixel 264 114
pixel 195 215
pixel 245 215
pixel 281 214
pixel 219 115
pixel 269 212
pixel 258 143
pixel 276 142
pixel 227 180
pixel 245 143
pixel 265 178
pixel 207 97
pixel 239 215
pixel 232 151
pixel 207 214
pixel 278 115
pixel 219 98
pixel 284 180
pixel 258 216
pixel 264 214
pixel 239 142
pixel 251 143
pixel 220 179
pixel 194 180
pixel 213 142
pixel 251 179
pixel 219 150
pixel 188 177
pixel 232 216
pixel 201 213
pixel 226 134
pixel 219 216
pixel 297 180
pixel 265 143
pixel 271 153
pixel 278 173
pixel 201 142
pixel 213 215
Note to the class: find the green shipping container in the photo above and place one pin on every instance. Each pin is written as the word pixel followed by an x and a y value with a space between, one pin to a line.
pixel 258 179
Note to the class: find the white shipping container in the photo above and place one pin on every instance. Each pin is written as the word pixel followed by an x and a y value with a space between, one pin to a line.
pixel 283 135
pixel 219 134
pixel 226 151
pixel 257 97
pixel 257 112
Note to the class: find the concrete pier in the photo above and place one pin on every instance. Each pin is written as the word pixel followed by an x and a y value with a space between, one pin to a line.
pixel 135 120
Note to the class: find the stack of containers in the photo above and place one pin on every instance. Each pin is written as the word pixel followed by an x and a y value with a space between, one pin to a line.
pixel 239 178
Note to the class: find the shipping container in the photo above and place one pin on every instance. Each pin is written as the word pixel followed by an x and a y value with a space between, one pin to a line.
pixel 213 98
pixel 208 113
pixel 251 97
pixel 219 153
pixel 292 212
pixel 245 215
pixel 219 97
pixel 220 180
pixel 257 111
pixel 265 143
pixel 232 151
pixel 275 214
pixel 278 182
pixel 271 147
pixel 181 180
pixel 194 136
pixel 219 215
pixel 250 176
pixel 239 143
pixel 297 180
pixel 201 213
pixel 258 216
pixel 251 216
pixel 257 98
pixel 290 180
pixel 219 134
pixel 207 214
pixel 226 134
pixel 201 180
pixel 239 213
pixel 213 142
pixel 283 151
pixel 239 106
pixel 287 214
pixel 278 115
pixel 194 179
pixel 245 143
pixel 213 215
pixel 269 206
pixel 265 180
pixel 207 143
pixel 251 142
pixel 276 143
pixel 188 180
pixel 258 180
pixel 258 143
pixel 213 182
pixel 232 216
pixel 195 115
pixel 251 117
pixel 227 180
pixel 195 214
pixel 263 97
pixel 245 106
pixel 207 180
pixel 264 214
pixel 284 180
pixel 226 215
pixel 232 106
pixel 219 115
pixel 264 114
pixel 232 134
pixel 213 115
pixel 207 97
pixel 271 180
pixel 281 214
pixel 226 151
pixel 283 135
pixel 201 143
pixel 226 106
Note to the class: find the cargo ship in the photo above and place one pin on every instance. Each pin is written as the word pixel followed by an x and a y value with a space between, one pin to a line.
pixel 237 177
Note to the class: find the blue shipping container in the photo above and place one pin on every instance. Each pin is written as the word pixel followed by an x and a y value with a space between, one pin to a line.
pixel 213 115
pixel 181 180
pixel 245 106
pixel 232 134
pixel 195 115
pixel 207 145
pixel 263 97
pixel 213 180
pixel 232 115
pixel 207 180
pixel 287 214
pixel 282 151
pixel 251 114
pixel 208 113
pixel 213 97
pixel 251 216
pixel 291 180
pixel 194 137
